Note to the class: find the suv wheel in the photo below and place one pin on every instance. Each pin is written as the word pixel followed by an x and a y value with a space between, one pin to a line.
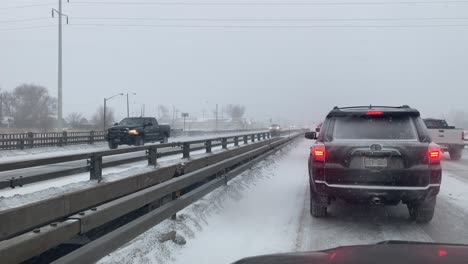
pixel 317 209
pixel 422 211
pixel 139 141
pixel 164 139
pixel 455 154
pixel 113 145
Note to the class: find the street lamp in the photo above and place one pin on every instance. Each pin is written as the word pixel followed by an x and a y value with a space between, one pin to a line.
pixel 128 107
pixel 105 100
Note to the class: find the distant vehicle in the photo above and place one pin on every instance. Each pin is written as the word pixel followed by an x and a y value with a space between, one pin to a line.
pixel 385 252
pixel 275 130
pixel 136 131
pixel 376 155
pixel 449 138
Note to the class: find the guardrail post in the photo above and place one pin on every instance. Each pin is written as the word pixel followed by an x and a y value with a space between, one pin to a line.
pixel 21 144
pixel 259 137
pixel 65 137
pixel 91 137
pixel 264 136
pixel 95 167
pixel 208 146
pixel 31 139
pixel 186 150
pixel 246 141
pixel 224 143
pixel 174 197
pixel 152 155
pixel 236 141
pixel 253 137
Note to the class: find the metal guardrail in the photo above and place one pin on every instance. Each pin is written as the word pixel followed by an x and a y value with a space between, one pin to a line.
pixel 62 206
pixel 96 164
pixel 51 139
pixel 86 210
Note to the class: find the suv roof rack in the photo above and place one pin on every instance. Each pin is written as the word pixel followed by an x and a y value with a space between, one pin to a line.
pixel 371 106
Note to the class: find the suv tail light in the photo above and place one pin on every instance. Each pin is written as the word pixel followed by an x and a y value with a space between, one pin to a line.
pixel 434 154
pixel 463 135
pixel 318 152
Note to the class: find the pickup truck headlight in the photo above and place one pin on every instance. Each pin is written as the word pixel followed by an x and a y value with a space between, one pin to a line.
pixel 133 132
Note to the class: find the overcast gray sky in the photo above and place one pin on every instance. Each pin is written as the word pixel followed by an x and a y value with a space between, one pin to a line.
pixel 295 74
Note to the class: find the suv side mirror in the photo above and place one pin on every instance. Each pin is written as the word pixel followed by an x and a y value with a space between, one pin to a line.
pixel 116 124
pixel 317 129
pixel 311 135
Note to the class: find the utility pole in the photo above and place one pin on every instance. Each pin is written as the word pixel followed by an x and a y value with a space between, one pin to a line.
pixel 1 109
pixel 173 116
pixel 216 127
pixel 105 102
pixel 59 97
pixel 104 117
pixel 128 104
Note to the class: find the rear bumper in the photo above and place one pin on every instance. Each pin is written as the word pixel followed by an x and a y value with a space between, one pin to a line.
pixel 447 147
pixel 387 194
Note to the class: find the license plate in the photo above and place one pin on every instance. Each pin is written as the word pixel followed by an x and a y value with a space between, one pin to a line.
pixel 375 162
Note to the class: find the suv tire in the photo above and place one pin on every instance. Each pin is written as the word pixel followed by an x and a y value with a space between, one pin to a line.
pixel 317 209
pixel 422 211
pixel 113 145
pixel 164 139
pixel 455 154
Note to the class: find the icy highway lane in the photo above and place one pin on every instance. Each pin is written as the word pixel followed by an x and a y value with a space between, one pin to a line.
pixel 266 210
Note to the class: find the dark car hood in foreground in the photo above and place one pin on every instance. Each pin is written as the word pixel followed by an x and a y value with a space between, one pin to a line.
pixel 382 253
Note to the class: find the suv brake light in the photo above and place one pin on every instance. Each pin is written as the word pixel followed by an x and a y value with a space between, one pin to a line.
pixel 434 154
pixel 463 135
pixel 318 152
pixel 374 113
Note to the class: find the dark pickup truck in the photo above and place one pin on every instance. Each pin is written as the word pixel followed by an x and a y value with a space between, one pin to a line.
pixel 136 131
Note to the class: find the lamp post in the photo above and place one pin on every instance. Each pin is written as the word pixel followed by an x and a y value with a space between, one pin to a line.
pixel 105 101
pixel 128 106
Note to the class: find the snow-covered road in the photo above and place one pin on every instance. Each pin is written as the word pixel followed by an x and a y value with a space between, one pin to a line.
pixel 266 210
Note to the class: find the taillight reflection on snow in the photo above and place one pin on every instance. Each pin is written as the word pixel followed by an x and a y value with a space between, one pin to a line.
pixel 442 253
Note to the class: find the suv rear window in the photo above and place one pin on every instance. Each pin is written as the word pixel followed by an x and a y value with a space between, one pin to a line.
pixel 381 128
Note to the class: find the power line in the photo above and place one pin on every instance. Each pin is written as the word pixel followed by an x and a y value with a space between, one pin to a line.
pixel 27 6
pixel 22 28
pixel 271 26
pixel 23 20
pixel 268 19
pixel 272 3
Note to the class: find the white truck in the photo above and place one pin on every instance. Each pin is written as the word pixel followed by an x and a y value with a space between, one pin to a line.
pixel 449 138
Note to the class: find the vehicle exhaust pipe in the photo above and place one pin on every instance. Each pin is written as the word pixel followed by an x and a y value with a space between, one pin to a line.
pixel 376 200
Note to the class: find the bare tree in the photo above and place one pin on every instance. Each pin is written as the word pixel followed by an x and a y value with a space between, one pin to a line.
pixel 32 106
pixel 98 118
pixel 235 111
pixel 74 120
pixel 7 103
